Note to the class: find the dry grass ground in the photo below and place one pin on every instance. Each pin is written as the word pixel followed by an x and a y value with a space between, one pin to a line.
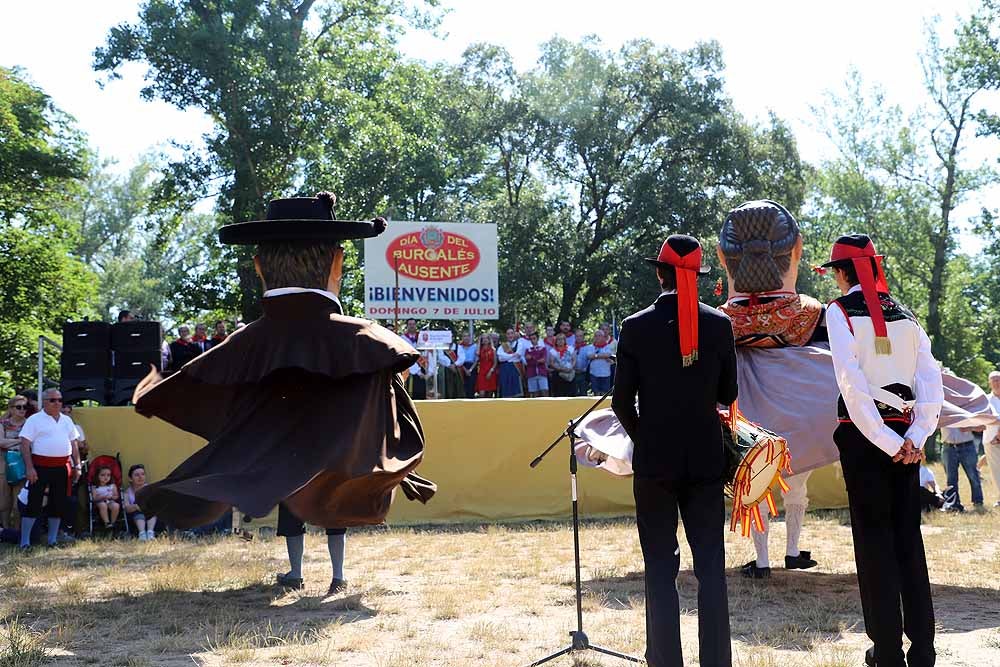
pixel 487 596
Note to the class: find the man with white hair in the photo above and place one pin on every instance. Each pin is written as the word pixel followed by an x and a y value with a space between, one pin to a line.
pixel 49 446
pixel 991 436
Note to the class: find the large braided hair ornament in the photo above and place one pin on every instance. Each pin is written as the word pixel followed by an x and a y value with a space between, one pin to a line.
pixel 757 240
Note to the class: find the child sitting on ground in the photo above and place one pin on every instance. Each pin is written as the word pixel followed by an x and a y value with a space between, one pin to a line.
pixel 105 497
pixel 146 527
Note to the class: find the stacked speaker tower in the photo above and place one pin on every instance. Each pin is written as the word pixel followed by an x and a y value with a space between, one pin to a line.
pixel 86 361
pixel 104 363
pixel 136 350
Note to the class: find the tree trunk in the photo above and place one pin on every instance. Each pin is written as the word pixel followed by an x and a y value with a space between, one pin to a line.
pixel 940 240
pixel 247 205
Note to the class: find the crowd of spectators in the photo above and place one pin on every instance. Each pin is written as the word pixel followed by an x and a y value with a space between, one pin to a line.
pixel 186 346
pixel 523 362
pixel 96 501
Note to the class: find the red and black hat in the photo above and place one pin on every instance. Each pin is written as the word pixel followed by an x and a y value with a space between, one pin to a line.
pixel 859 251
pixel 683 253
pixel 300 219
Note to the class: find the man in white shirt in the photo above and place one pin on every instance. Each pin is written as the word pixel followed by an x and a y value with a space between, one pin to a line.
pixel 567 330
pixel 52 461
pixel 890 401
pixel 468 353
pixel 523 340
pixel 991 436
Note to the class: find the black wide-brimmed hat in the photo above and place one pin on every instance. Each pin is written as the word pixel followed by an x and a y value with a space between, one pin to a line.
pixel 300 219
pixel 680 251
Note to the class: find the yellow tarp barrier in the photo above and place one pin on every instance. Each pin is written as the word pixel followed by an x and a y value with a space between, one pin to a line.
pixel 477 452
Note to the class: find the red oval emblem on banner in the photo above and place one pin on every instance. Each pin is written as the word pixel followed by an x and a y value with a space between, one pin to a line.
pixel 433 254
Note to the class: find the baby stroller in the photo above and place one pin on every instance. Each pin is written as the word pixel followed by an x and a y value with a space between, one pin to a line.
pixel 114 463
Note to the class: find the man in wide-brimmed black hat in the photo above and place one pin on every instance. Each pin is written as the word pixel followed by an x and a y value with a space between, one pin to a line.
pixel 679 358
pixel 303 407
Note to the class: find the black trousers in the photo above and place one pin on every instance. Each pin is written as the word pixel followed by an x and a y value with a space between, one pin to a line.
pixel 53 479
pixel 885 519
pixel 469 382
pixel 702 508
pixel 290 525
pixel 560 387
pixel 418 387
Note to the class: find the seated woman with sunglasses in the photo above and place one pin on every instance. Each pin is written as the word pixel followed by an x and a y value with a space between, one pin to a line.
pixel 12 479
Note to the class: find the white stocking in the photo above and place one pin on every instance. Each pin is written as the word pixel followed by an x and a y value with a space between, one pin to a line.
pixel 793 525
pixel 796 501
pixel 760 539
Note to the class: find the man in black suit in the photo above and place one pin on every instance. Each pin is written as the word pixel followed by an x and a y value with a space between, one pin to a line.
pixel 679 460
pixel 183 349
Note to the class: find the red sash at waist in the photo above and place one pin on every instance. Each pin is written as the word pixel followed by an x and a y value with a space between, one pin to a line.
pixel 56 462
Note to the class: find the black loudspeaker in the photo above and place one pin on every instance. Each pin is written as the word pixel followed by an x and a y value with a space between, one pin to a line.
pixel 75 390
pixel 136 335
pixel 85 364
pixel 135 364
pixel 79 336
pixel 122 390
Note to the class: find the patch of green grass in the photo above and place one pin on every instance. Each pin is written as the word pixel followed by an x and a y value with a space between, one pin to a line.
pixel 20 646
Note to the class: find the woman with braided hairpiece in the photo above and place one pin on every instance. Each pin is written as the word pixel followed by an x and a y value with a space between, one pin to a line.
pixel 760 246
pixel 787 381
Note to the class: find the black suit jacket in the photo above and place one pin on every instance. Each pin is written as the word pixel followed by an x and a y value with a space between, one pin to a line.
pixel 676 432
pixel 181 354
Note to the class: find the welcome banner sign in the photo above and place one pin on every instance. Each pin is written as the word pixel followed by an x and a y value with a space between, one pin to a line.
pixel 447 271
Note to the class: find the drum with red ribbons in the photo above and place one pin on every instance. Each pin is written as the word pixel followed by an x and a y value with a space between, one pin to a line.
pixel 758 459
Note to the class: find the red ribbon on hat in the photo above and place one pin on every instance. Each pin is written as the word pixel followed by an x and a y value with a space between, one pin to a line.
pixel 871 284
pixel 687 298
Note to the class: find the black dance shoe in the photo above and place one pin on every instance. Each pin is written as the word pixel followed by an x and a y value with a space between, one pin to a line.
pixel 751 571
pixel 336 586
pixel 286 581
pixel 803 561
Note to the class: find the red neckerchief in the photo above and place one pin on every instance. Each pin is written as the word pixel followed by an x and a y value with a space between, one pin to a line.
pixel 562 350
pixel 599 347
pixel 181 341
pixel 198 338
pixel 550 341
pixel 218 339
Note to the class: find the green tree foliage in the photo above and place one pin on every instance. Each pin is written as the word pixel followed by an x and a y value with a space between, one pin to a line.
pixel 592 157
pixel 864 190
pixel 268 74
pixel 900 184
pixel 41 285
pixel 40 151
pixel 147 260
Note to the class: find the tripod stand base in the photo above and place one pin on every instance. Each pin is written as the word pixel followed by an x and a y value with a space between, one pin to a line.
pixel 581 643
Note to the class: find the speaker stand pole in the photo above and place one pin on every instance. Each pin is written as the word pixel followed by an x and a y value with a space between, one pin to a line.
pixel 578 638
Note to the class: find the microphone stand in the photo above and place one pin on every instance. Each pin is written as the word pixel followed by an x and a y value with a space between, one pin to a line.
pixel 578 638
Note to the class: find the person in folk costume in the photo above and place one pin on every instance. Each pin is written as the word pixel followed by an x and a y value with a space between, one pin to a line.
pixel 679 357
pixel 486 368
pixel 890 401
pixel 303 408
pixel 761 246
